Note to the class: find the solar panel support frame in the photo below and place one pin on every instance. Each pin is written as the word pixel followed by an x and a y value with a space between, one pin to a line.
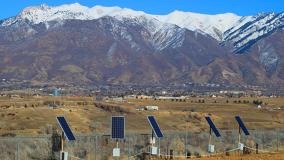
pixel 241 127
pixel 210 135
pixel 63 135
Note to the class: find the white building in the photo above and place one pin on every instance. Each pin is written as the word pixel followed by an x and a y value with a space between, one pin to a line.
pixel 152 108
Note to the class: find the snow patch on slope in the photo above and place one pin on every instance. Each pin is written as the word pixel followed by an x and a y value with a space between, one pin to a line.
pixel 268 57
pixel 162 35
pixel 250 29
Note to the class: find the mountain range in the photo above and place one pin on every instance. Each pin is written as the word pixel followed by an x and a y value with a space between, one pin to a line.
pixel 80 45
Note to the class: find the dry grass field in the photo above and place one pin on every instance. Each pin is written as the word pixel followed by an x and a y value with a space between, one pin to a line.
pixel 34 115
pixel 268 156
pixel 277 156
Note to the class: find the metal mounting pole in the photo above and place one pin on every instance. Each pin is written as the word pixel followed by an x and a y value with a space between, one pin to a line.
pixel 210 135
pixel 152 137
pixel 239 139
pixel 128 148
pixel 62 141
pixel 159 149
pixel 117 147
pixel 152 142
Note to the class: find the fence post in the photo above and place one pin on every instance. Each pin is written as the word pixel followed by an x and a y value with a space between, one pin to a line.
pixel 17 152
pixel 171 154
pixel 277 141
pixel 96 139
pixel 185 151
pixel 129 148
pixel 263 140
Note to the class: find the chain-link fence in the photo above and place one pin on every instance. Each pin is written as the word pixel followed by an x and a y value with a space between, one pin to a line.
pixel 99 147
pixel 18 148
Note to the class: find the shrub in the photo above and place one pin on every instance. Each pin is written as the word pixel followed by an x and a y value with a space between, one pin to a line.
pixel 257 102
pixel 197 154
pixel 8 135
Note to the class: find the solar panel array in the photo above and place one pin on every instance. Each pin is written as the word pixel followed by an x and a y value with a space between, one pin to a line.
pixel 65 128
pixel 117 127
pixel 213 127
pixel 242 125
pixel 155 126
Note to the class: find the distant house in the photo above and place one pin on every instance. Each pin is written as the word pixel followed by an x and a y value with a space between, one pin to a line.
pixel 144 97
pixel 164 92
pixel 118 99
pixel 56 92
pixel 170 98
pixel 151 108
pixel 99 98
pixel 140 109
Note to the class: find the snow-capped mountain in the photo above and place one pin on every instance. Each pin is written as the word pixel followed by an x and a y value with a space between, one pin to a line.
pixel 214 25
pixel 162 35
pixel 241 31
pixel 45 14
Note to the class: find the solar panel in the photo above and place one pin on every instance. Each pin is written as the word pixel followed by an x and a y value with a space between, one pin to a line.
pixel 117 127
pixel 65 128
pixel 242 125
pixel 213 127
pixel 155 127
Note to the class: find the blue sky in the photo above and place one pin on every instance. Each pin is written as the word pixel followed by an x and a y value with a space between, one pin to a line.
pixel 241 7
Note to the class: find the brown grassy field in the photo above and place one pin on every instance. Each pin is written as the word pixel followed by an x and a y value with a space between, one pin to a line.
pixel 277 156
pixel 263 156
pixel 32 116
pixel 36 115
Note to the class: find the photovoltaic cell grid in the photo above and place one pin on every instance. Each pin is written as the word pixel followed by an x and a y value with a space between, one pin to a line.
pixel 155 127
pixel 242 125
pixel 213 127
pixel 117 127
pixel 65 128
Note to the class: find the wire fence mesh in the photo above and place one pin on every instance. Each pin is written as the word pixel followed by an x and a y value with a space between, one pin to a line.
pixel 100 147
